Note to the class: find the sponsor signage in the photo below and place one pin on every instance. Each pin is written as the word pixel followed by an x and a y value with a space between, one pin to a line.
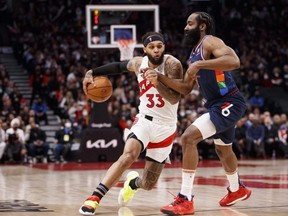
pixel 101 144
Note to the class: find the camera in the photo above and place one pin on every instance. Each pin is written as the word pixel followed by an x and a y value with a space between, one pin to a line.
pixel 12 138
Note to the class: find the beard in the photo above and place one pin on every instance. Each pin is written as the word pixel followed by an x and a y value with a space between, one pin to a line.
pixel 192 37
pixel 155 61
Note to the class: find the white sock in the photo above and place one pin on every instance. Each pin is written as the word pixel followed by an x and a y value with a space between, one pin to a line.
pixel 233 179
pixel 187 183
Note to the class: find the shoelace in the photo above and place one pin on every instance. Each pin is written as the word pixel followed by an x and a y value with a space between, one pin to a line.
pixel 177 199
pixel 230 194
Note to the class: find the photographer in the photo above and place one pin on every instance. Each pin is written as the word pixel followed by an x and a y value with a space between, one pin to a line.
pixel 15 149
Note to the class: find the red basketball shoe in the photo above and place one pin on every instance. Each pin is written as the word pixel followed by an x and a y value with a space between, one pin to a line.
pixel 231 198
pixel 180 206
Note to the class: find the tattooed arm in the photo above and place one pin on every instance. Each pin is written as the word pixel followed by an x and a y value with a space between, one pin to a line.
pixel 134 64
pixel 173 69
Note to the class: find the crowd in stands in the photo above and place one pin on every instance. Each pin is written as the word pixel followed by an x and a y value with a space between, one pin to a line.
pixel 49 40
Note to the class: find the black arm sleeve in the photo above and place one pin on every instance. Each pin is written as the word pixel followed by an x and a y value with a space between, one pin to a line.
pixel 111 69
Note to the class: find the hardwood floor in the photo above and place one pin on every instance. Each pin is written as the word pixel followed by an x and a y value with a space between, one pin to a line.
pixel 60 189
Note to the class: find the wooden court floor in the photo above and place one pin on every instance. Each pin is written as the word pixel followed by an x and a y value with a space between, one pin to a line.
pixel 59 189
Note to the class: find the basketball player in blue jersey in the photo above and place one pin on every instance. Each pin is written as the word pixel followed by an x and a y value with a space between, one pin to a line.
pixel 211 62
pixel 157 112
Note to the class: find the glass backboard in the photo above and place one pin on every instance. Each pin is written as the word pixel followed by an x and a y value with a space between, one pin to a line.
pixel 107 23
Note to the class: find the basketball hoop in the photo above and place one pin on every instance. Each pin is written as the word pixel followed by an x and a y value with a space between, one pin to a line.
pixel 126 47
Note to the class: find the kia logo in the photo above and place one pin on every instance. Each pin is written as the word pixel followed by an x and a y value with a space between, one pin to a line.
pixel 101 144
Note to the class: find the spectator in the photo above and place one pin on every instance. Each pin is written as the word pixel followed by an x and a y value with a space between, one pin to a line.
pixel 283 135
pixel 40 109
pixel 271 140
pixel 65 105
pixel 248 122
pixel 37 146
pixel 256 134
pixel 283 120
pixel 63 140
pixel 276 79
pixel 16 99
pixel 240 142
pixel 7 107
pixel 176 152
pixel 76 111
pixel 36 79
pixel 25 114
pixel 257 100
pixel 277 120
pixel 15 149
pixel 2 140
pixel 206 149
pixel 254 83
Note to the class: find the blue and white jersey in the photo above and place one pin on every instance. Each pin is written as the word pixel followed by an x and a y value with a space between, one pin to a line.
pixel 213 84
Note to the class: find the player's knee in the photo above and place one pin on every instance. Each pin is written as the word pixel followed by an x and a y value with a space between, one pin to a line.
pixel 187 139
pixel 127 159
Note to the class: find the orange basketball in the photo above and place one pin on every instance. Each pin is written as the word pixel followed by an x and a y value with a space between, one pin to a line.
pixel 101 90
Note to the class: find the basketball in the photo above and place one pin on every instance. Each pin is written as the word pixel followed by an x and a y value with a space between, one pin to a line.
pixel 101 90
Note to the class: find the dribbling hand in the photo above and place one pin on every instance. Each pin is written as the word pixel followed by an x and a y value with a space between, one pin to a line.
pixel 87 79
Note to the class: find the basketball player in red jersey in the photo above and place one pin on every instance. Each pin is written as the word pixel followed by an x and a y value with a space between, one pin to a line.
pixel 211 62
pixel 157 112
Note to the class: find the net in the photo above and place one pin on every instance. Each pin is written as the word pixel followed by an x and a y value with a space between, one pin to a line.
pixel 126 48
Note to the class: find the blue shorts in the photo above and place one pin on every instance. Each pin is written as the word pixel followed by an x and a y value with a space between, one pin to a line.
pixel 224 114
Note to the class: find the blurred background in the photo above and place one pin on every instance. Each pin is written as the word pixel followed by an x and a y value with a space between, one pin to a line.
pixel 46 47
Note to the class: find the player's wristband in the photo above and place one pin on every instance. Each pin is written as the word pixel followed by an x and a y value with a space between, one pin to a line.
pixel 111 69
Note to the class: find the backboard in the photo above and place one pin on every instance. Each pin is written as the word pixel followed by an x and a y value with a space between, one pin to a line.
pixel 107 23
pixel 120 32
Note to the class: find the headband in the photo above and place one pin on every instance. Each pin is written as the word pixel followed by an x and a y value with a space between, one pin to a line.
pixel 152 38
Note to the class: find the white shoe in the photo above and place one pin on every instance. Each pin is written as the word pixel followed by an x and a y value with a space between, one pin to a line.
pixel 44 160
pixel 34 160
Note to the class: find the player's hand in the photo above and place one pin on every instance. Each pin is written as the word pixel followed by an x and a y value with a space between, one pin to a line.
pixel 192 70
pixel 151 75
pixel 143 71
pixel 87 79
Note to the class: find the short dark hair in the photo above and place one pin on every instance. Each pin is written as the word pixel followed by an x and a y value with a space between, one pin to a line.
pixel 207 19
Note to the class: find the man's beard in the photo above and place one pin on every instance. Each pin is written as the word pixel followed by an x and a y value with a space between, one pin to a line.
pixel 191 37
pixel 154 61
